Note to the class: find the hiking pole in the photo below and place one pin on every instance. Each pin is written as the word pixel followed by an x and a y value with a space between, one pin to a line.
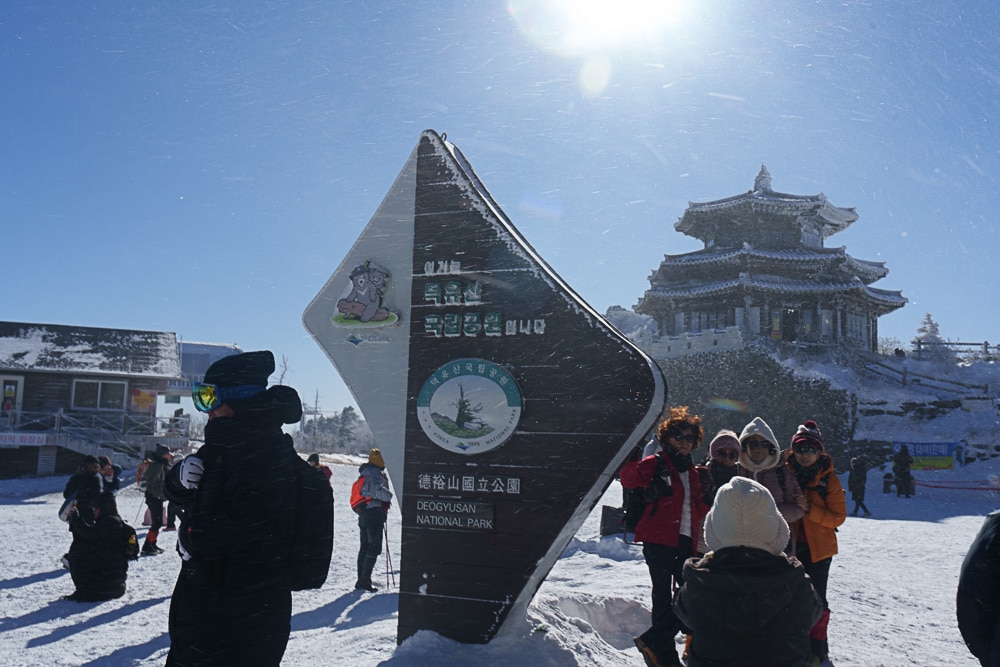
pixel 388 559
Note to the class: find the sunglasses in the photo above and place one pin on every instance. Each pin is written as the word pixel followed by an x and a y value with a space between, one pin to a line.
pixel 727 454
pixel 208 397
pixel 805 450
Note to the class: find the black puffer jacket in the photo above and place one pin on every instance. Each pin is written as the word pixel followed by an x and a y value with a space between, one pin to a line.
pixel 978 599
pixel 87 487
pixel 243 507
pixel 97 559
pixel 748 608
pixel 232 602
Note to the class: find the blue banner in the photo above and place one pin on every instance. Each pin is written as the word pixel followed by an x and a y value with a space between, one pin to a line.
pixel 933 455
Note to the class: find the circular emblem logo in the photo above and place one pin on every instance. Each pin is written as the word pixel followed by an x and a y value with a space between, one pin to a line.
pixel 469 406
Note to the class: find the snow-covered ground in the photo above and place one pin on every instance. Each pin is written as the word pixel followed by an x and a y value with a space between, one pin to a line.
pixel 892 590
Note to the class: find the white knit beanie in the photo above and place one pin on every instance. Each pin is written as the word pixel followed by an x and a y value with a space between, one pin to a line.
pixel 744 514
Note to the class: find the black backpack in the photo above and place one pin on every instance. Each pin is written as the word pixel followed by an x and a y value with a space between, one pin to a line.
pixel 311 545
pixel 131 542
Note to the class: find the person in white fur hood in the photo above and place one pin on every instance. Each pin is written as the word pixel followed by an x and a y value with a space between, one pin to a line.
pixel 746 602
pixel 762 460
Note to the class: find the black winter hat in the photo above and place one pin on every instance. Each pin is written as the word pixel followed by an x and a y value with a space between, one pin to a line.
pixel 249 368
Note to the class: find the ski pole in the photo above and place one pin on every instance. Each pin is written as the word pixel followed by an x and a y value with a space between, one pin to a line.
pixel 388 559
pixel 139 511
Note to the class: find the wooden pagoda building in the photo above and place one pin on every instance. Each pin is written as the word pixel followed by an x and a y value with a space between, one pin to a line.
pixel 764 269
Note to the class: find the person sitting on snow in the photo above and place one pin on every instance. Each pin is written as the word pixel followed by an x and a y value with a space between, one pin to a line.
pixel 97 560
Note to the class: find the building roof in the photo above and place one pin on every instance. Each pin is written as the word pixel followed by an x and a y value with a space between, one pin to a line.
pixel 73 349
pixel 702 220
pixel 883 299
pixel 867 271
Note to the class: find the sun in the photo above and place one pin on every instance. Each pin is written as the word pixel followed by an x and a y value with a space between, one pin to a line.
pixel 580 28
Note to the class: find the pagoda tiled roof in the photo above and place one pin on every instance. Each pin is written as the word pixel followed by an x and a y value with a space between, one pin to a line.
pixel 780 285
pixel 868 271
pixel 700 220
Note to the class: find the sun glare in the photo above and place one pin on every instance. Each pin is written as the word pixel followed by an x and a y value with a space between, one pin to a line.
pixel 585 27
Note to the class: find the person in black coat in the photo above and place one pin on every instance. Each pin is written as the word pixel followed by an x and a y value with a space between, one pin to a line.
pixel 232 601
pixel 902 461
pixel 745 602
pixel 111 474
pixel 857 481
pixel 83 488
pixel 97 560
pixel 87 484
pixel 978 599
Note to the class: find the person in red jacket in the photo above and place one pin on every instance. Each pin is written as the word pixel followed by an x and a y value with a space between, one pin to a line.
pixel 669 526
pixel 313 460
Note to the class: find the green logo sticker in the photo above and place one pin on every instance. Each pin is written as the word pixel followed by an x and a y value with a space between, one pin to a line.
pixel 469 406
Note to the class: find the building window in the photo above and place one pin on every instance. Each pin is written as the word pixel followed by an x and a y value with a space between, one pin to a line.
pixel 97 395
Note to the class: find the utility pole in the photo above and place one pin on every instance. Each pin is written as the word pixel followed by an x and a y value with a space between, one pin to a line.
pixel 315 412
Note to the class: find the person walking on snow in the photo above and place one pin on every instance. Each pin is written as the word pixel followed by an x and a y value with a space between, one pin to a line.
pixel 155 497
pixel 857 479
pixel 377 498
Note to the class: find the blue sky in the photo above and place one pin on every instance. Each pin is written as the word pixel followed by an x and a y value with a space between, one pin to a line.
pixel 203 168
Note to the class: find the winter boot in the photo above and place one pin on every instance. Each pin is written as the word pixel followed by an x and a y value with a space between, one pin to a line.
pixel 819 648
pixel 364 582
pixel 149 547
pixel 648 655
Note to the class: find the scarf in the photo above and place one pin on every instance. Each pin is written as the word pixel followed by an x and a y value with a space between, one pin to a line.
pixel 682 462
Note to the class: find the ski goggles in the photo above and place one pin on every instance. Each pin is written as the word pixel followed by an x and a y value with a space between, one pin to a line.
pixel 208 397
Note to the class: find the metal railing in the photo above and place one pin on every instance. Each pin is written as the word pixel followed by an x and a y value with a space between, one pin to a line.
pixel 129 435
pixel 122 422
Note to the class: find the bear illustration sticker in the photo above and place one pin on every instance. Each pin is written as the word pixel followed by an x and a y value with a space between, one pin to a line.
pixel 469 406
pixel 361 305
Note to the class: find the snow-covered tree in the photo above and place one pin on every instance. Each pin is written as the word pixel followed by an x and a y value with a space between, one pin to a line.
pixel 929 344
pixel 631 323
pixel 344 432
pixel 888 345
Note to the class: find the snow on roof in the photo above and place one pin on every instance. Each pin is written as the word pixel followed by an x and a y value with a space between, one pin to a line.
pixel 814 208
pixel 779 285
pixel 869 270
pixel 63 348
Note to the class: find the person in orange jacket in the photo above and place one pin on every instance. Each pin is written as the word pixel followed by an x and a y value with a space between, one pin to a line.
pixel 670 524
pixel 816 532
